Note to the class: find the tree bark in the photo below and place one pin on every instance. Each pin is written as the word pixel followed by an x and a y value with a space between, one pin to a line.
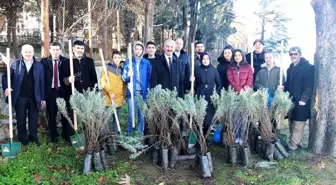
pixel 322 137
pixel 193 21
pixel 45 27
pixel 185 26
pixel 149 19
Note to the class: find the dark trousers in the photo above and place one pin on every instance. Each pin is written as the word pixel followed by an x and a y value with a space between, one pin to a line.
pixel 67 129
pixel 52 110
pixel 21 107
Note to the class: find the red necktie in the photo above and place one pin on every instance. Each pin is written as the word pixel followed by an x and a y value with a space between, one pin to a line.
pixel 56 74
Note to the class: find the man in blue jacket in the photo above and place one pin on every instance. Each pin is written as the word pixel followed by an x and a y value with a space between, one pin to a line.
pixel 27 82
pixel 140 70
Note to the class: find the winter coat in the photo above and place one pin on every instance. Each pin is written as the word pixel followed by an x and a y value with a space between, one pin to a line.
pixel 207 80
pixel 269 79
pixel 117 85
pixel 222 70
pixel 258 61
pixel 169 78
pixel 151 60
pixel 145 75
pixel 186 85
pixel 300 84
pixel 17 71
pixel 240 78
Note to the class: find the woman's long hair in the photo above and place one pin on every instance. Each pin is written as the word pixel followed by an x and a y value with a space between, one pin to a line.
pixel 222 54
pixel 243 62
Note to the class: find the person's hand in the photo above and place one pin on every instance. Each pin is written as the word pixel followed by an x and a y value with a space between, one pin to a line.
pixel 43 103
pixel 280 88
pixel 7 91
pixel 71 79
pixel 301 103
pixel 112 96
pixel 192 78
pixel 130 73
pixel 124 102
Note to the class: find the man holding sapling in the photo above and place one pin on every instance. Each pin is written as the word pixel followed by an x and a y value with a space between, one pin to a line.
pixel 85 76
pixel 141 70
pixel 27 82
pixel 300 84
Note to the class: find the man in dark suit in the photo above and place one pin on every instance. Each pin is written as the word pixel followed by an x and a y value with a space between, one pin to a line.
pixel 27 82
pixel 53 89
pixel 170 71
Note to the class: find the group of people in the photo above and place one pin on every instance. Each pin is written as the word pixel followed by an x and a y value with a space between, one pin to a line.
pixel 35 84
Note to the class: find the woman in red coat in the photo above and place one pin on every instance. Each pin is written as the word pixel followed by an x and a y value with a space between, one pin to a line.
pixel 240 73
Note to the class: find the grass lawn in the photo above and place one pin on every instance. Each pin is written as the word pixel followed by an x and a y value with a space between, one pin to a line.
pixel 60 164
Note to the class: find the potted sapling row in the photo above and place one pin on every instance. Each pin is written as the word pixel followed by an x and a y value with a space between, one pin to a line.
pixel 158 112
pixel 92 114
pixel 225 104
pixel 280 106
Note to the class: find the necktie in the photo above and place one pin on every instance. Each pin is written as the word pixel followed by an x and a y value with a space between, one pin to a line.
pixel 56 74
pixel 169 62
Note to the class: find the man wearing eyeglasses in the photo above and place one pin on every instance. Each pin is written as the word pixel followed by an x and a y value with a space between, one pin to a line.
pixel 300 84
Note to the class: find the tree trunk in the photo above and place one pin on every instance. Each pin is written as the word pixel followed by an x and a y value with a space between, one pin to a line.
pixel 322 137
pixel 45 28
pixel 149 13
pixel 104 32
pixel 185 26
pixel 263 30
pixel 193 21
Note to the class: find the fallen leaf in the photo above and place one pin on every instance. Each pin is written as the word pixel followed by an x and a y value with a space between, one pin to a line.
pixel 259 176
pixel 49 149
pixel 162 183
pixel 125 181
pixel 101 179
pixel 37 177
pixel 58 148
pixel 321 165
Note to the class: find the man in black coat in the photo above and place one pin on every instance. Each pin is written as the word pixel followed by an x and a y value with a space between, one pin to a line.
pixel 183 56
pixel 53 89
pixel 85 76
pixel 169 71
pixel 258 56
pixel 300 84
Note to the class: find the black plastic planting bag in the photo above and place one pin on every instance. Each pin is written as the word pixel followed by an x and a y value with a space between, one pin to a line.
pixel 97 163
pixel 164 158
pixel 87 163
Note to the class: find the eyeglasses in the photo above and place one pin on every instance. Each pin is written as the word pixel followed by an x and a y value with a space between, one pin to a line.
pixel 295 54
